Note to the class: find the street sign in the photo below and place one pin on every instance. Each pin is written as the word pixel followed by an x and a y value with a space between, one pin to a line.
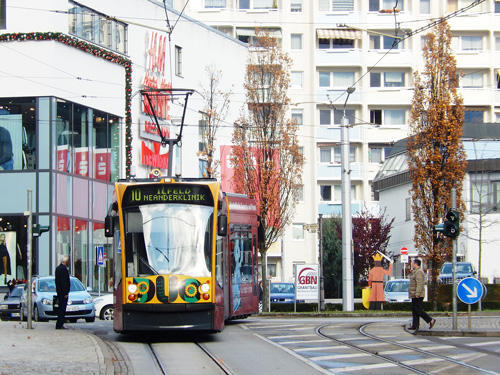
pixel 470 290
pixel 404 258
pixel 404 251
pixel 100 255
pixel 311 227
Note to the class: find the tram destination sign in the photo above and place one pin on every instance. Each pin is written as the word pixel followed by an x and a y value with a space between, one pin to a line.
pixel 171 193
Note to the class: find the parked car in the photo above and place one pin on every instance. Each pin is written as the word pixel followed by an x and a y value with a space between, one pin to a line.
pixel 104 309
pixel 9 307
pixel 464 269
pixel 80 303
pixel 397 290
pixel 282 293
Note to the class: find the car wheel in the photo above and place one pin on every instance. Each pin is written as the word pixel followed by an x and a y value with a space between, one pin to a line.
pixel 21 314
pixel 36 314
pixel 90 320
pixel 107 313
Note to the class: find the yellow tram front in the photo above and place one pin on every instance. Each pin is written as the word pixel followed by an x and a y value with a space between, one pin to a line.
pixel 164 235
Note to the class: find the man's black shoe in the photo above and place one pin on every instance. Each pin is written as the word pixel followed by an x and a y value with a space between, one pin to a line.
pixel 412 328
pixel 431 324
pixel 63 327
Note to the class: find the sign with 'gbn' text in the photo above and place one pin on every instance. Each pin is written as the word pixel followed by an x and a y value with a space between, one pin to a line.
pixel 307 281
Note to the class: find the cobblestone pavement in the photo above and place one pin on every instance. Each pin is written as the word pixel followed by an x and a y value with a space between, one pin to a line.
pixel 45 350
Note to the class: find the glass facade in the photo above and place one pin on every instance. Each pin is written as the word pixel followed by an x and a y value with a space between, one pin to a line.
pixel 68 155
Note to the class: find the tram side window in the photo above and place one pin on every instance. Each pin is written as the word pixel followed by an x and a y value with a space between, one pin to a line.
pixel 135 249
pixel 241 257
pixel 219 271
pixel 247 258
pixel 117 253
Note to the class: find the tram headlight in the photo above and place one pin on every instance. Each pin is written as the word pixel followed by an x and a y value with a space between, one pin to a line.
pixel 132 288
pixel 204 288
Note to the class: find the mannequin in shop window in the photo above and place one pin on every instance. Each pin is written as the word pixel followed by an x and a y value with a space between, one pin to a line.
pixel 4 258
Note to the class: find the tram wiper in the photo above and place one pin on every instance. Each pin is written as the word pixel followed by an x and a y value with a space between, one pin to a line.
pixel 161 252
pixel 147 264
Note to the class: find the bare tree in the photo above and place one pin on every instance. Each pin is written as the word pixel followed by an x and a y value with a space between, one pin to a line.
pixel 216 107
pixel 266 155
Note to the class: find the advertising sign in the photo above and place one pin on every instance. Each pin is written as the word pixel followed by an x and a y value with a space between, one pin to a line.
pixel 307 281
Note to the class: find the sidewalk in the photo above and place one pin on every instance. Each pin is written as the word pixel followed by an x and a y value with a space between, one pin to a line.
pixel 45 350
pixel 481 326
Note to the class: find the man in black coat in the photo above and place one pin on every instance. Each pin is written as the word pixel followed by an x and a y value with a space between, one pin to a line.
pixel 62 289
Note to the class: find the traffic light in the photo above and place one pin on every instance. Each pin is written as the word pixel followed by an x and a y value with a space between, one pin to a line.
pixel 452 224
pixel 39 229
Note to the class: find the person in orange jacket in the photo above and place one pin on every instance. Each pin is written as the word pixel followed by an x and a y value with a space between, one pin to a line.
pixel 376 282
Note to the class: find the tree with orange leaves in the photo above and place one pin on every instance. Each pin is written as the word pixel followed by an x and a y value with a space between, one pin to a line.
pixel 266 157
pixel 436 156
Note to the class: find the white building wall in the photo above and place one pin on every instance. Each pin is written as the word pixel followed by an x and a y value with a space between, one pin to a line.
pixel 481 20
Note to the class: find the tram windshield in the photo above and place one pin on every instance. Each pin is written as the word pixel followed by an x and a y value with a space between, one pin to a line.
pixel 169 239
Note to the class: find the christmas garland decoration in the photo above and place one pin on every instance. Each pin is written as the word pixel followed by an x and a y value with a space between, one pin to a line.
pixel 99 52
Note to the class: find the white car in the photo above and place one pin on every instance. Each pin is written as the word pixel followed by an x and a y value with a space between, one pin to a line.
pixel 104 306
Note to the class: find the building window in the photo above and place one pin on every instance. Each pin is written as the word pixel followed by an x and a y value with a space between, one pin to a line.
pixel 385 42
pixel 325 192
pixel 298 116
pixel 378 154
pixel 325 116
pixel 497 44
pixel 497 117
pixel 472 80
pixel 296 79
pixel 425 6
pixel 215 3
pixel 485 193
pixel 336 79
pixel 300 193
pixel 298 231
pixel 388 117
pixel 471 43
pixel 296 41
pixel 388 79
pixel 377 5
pixel 476 116
pixel 3 14
pixel 97 28
pixel 178 61
pixel 408 209
pixel 336 5
pixel 497 6
pixel 296 6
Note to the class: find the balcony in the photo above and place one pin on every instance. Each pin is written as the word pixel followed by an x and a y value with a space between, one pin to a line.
pixel 333 18
pixel 333 171
pixel 332 133
pixel 335 208
pixel 473 59
pixel 339 57
pixel 338 95
pixel 375 19
pixel 395 58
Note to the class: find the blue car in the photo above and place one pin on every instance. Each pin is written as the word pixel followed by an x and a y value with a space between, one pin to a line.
pixel 80 303
pixel 464 269
pixel 282 293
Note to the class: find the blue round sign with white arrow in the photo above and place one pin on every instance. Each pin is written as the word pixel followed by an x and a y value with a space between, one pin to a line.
pixel 470 290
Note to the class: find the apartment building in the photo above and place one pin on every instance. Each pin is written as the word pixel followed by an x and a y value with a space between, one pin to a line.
pixel 375 47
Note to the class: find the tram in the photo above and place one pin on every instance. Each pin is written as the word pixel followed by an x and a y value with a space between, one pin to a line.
pixel 185 255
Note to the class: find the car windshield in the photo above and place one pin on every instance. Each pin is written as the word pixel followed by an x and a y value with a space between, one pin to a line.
pixel 49 285
pixel 397 286
pixel 461 268
pixel 17 291
pixel 282 288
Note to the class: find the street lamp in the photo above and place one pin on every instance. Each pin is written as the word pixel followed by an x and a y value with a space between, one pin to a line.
pixel 347 271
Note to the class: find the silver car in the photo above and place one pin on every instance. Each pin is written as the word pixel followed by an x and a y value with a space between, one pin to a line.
pixel 80 303
pixel 397 290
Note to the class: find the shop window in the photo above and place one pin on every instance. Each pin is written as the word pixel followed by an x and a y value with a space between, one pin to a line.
pixel 17 133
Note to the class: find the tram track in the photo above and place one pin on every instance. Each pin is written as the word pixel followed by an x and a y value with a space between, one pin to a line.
pixel 362 330
pixel 196 351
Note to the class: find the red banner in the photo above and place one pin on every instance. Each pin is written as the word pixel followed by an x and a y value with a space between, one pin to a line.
pixel 153 157
pixel 102 164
